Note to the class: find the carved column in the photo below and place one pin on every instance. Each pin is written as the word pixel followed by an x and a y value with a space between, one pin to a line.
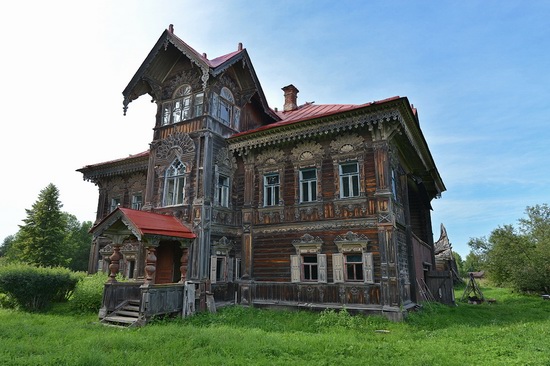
pixel 151 261
pixel 115 257
pixel 150 266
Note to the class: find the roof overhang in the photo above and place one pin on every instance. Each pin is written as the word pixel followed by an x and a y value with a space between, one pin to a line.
pixel 145 226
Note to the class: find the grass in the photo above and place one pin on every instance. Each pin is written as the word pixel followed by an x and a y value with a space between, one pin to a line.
pixel 513 331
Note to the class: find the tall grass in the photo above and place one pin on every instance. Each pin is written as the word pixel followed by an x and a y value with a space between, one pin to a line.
pixel 513 331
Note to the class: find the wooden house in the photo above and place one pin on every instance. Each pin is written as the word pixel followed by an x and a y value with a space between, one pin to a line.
pixel 317 206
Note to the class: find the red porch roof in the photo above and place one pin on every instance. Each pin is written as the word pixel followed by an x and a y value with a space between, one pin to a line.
pixel 143 223
pixel 149 223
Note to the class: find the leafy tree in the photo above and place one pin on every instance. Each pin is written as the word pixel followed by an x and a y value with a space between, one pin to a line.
pixel 459 264
pixel 77 242
pixel 476 260
pixel 509 256
pixel 42 237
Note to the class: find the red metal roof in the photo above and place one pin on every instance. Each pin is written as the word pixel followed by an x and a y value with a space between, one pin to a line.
pixel 310 111
pixel 149 223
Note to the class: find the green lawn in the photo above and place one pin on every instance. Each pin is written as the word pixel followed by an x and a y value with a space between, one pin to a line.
pixel 513 331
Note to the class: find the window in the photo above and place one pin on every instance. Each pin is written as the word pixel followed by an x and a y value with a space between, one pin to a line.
pixel 115 202
pixel 349 180
pixel 223 108
pixel 174 185
pixel 353 267
pixel 199 102
pixel 308 185
pixel 308 268
pixel 271 189
pixel 221 268
pixel 136 201
pixel 222 193
pixel 181 107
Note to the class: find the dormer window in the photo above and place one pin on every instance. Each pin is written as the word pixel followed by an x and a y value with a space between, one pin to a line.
pixel 174 184
pixel 183 105
pixel 224 109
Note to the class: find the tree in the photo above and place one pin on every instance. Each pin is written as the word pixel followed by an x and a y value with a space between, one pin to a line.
pixel 77 242
pixel 6 245
pixel 42 237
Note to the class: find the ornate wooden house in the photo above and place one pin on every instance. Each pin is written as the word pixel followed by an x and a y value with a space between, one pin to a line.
pixel 310 206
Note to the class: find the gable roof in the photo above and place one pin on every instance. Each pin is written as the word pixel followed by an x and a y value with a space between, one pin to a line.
pixel 140 82
pixel 142 224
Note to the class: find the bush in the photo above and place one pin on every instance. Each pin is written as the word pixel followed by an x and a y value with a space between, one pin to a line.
pixel 88 293
pixel 35 288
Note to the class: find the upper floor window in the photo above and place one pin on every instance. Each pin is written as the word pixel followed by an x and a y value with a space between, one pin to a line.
pixel 174 185
pixel 223 107
pixel 184 105
pixel 222 191
pixel 308 185
pixel 272 187
pixel 349 180
pixel 115 202
pixel 137 201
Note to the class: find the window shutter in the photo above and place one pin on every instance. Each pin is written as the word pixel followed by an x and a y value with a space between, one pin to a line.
pixel 295 268
pixel 213 265
pixel 338 267
pixel 230 266
pixel 368 267
pixel 322 267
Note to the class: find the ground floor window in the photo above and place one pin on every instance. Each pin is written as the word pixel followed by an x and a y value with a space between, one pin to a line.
pixel 352 267
pixel 308 268
pixel 221 268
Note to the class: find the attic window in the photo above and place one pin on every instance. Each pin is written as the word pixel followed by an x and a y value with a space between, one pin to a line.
pixel 183 105
pixel 224 109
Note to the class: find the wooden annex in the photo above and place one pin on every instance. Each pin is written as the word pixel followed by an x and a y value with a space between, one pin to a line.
pixel 312 206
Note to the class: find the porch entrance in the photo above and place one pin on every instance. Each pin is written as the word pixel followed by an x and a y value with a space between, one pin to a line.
pixel 168 262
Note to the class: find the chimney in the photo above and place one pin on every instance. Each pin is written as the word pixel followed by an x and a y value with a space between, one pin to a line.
pixel 291 96
pixel 240 46
pixel 171 28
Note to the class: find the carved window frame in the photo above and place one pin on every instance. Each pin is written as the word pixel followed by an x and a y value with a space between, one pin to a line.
pixel 308 246
pixel 225 100
pixel 183 105
pixel 346 149
pixel 351 244
pixel 222 265
pixel 183 174
pixel 306 156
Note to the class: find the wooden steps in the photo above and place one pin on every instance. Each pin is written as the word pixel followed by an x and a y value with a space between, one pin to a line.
pixel 126 315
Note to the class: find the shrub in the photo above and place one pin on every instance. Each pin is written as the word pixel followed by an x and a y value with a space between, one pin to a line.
pixel 88 293
pixel 35 288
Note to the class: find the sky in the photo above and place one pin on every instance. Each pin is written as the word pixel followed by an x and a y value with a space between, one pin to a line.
pixel 477 71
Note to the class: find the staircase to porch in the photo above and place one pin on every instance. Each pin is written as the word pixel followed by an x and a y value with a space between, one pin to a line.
pixel 124 316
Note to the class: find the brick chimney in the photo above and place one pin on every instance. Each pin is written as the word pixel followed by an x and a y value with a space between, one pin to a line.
pixel 291 96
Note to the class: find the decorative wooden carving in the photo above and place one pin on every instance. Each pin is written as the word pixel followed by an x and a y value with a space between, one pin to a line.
pixel 191 77
pixel 177 145
pixel 351 242
pixel 150 265
pixel 114 266
pixel 308 244
pixel 307 151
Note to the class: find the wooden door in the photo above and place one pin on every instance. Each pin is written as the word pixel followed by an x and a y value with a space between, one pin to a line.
pixel 168 263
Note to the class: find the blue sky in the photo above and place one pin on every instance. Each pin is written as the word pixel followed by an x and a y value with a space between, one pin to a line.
pixel 478 72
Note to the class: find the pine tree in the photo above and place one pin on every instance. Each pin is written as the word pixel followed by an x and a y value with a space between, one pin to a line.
pixel 42 236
